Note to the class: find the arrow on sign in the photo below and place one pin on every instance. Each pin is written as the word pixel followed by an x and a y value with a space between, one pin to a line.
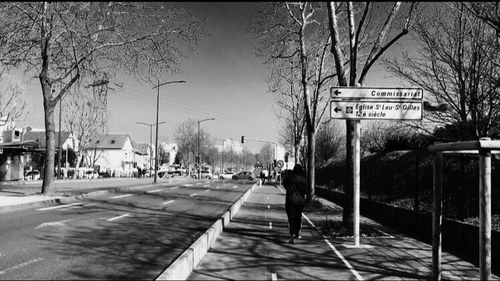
pixel 337 92
pixel 337 110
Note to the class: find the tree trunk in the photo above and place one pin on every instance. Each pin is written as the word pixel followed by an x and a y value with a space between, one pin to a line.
pixel 347 217
pixel 311 148
pixel 50 140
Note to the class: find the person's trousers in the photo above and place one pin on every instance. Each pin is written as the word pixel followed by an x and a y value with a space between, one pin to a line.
pixel 294 213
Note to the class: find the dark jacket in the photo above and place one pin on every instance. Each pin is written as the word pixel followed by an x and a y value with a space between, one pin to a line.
pixel 296 189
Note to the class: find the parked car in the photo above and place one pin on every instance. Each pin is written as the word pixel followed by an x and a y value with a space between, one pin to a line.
pixel 32 175
pixel 226 175
pixel 245 175
pixel 204 175
pixel 90 174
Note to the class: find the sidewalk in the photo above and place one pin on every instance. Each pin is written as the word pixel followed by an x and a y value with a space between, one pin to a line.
pixel 255 246
pixel 24 194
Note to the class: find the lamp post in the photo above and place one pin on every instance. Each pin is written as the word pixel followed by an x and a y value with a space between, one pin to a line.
pixel 199 121
pixel 157 109
pixel 150 141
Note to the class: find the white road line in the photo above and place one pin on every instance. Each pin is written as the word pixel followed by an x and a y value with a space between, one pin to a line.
pixel 53 223
pixel 118 217
pixel 12 268
pixel 168 202
pixel 335 250
pixel 330 245
pixel 235 186
pixel 121 196
pixel 153 191
pixel 175 187
pixel 207 190
pixel 269 206
pixel 206 185
pixel 88 205
pixel 188 184
pixel 217 187
pixel 274 277
pixel 194 194
pixel 58 207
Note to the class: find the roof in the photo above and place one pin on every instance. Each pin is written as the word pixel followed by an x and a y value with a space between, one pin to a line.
pixel 140 147
pixel 108 141
pixel 39 137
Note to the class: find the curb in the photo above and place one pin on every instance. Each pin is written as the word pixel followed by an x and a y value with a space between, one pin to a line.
pixel 182 267
pixel 22 206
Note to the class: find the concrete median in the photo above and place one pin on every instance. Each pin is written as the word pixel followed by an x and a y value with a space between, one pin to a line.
pixel 182 267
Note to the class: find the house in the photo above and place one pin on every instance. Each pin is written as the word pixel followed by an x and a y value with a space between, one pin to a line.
pixel 113 153
pixel 142 155
pixel 13 153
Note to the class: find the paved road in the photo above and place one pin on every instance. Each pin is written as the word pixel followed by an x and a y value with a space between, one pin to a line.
pixel 132 234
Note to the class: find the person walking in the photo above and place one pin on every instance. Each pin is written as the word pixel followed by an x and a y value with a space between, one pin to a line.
pixel 297 196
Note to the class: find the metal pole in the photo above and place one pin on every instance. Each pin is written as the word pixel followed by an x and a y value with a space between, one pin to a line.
pixel 156 140
pixel 485 213
pixel 198 160
pixel 356 174
pixel 437 216
pixel 59 156
pixel 150 148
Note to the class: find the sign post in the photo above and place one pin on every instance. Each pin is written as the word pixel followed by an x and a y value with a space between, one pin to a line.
pixel 360 103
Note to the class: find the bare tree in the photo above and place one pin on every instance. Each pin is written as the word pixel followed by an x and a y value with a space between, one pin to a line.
pixel 458 63
pixel 363 36
pixel 299 31
pixel 489 12
pixel 186 137
pixel 12 101
pixel 85 117
pixel 88 43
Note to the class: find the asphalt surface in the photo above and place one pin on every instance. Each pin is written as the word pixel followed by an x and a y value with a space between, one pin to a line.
pixel 131 234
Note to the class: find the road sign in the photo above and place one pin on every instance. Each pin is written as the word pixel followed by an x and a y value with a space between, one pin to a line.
pixel 376 93
pixel 280 164
pixel 390 110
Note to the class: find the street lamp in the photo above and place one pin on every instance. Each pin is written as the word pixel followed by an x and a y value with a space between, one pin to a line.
pixel 150 141
pixel 199 121
pixel 157 109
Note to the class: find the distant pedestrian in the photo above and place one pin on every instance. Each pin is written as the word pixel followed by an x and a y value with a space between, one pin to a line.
pixel 262 176
pixel 297 193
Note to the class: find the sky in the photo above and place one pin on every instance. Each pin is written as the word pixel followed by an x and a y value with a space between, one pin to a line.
pixel 224 80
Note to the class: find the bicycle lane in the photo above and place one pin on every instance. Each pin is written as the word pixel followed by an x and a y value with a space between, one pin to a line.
pixel 255 247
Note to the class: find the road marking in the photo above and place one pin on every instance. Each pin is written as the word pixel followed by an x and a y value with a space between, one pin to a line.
pixel 53 223
pixel 217 187
pixel 121 196
pixel 118 217
pixel 188 184
pixel 175 187
pixel 12 268
pixel 207 190
pixel 270 225
pixel 194 194
pixel 335 250
pixel 267 198
pixel 274 277
pixel 88 205
pixel 58 207
pixel 330 245
pixel 198 183
pixel 206 185
pixel 153 191
pixel 235 186
pixel 168 202
pixel 269 206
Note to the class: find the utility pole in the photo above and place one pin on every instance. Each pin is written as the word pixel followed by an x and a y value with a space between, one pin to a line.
pixel 157 110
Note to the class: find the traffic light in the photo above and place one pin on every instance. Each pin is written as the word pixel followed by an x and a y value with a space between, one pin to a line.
pixel 242 139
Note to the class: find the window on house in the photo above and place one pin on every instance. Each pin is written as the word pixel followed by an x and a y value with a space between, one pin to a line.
pixel 113 141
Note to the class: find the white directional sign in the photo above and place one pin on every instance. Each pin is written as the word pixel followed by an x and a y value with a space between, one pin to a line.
pixel 392 110
pixel 376 93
